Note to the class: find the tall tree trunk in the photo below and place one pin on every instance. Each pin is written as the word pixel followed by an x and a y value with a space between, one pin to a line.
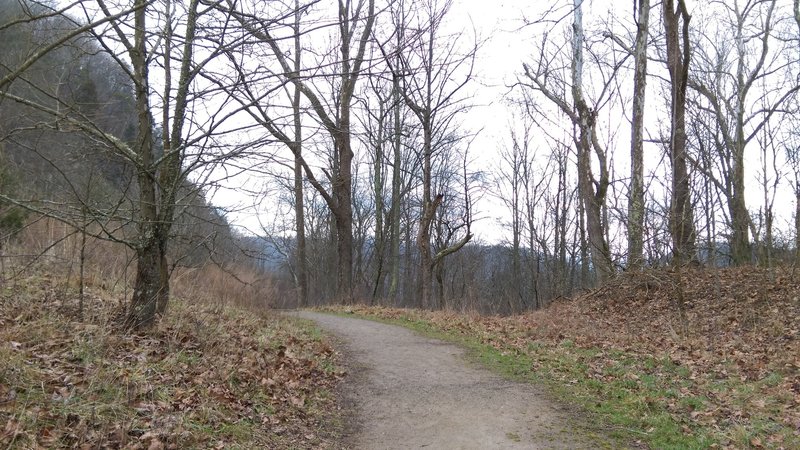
pixel 377 185
pixel 395 208
pixel 592 199
pixel 440 298
pixel 518 161
pixel 397 144
pixel 584 251
pixel 676 25
pixel 147 285
pixel 429 207
pixel 343 214
pixel 740 217
pixel 299 211
pixel 148 282
pixel 409 294
pixel 797 222
pixel 563 211
pixel 636 201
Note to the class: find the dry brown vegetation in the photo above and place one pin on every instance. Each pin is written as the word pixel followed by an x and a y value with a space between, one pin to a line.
pixel 219 371
pixel 726 375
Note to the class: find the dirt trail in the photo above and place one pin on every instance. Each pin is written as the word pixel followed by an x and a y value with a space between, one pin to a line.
pixel 410 392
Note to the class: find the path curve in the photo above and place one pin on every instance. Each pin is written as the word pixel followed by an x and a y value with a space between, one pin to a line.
pixel 412 392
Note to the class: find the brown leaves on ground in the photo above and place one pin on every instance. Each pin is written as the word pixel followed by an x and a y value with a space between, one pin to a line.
pixel 205 377
pixel 733 363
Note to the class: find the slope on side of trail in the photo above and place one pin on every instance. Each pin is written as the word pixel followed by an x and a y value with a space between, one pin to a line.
pixel 721 369
pixel 207 375
pixel 410 391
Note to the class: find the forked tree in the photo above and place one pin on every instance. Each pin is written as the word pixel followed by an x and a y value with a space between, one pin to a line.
pixel 159 151
pixel 355 21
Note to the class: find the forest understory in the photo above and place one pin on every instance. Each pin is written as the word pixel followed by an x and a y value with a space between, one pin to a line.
pixel 226 372
pixel 209 375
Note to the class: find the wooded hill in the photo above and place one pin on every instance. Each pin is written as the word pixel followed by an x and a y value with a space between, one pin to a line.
pixel 122 123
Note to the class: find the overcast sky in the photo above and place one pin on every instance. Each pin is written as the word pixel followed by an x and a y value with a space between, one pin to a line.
pixel 506 43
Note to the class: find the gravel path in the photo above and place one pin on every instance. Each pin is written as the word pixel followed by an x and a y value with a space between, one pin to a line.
pixel 411 392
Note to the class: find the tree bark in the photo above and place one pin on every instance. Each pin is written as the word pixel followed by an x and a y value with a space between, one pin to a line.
pixel 394 212
pixel 377 184
pixel 593 199
pixel 676 25
pixel 740 217
pixel 299 212
pixel 636 201
pixel 149 260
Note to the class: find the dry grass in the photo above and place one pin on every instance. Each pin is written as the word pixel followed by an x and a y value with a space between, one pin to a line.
pixel 218 371
pixel 727 376
pixel 239 286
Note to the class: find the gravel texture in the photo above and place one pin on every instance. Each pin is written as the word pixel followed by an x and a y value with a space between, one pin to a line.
pixel 407 391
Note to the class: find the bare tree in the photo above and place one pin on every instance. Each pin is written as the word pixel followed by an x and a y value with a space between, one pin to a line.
pixel 553 85
pixel 742 87
pixel 636 201
pixel 676 25
pixel 162 156
pixel 299 210
pixel 395 212
pixel 433 73
pixel 355 23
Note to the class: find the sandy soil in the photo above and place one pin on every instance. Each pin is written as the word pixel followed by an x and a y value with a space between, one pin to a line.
pixel 408 392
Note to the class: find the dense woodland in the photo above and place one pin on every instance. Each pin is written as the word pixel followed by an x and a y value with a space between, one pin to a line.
pixel 659 134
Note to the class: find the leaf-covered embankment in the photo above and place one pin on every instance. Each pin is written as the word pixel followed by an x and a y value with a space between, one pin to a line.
pixel 207 377
pixel 726 376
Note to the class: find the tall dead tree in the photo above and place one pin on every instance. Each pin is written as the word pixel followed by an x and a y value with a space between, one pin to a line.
pixel 301 282
pixel 583 116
